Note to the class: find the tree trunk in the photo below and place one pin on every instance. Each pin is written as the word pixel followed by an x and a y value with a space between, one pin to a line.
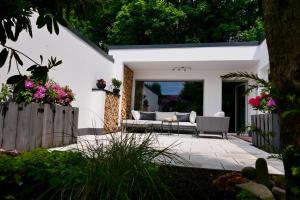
pixel 282 26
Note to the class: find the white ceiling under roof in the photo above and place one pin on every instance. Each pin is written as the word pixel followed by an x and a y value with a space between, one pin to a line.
pixel 194 65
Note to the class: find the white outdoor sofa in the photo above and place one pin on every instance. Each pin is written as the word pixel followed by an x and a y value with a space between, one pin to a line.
pixel 213 125
pixel 217 124
pixel 155 122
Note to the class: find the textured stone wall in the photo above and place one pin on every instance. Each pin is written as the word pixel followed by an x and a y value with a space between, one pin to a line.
pixel 111 112
pixel 127 92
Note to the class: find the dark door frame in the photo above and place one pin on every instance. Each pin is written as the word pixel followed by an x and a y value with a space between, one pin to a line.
pixel 241 82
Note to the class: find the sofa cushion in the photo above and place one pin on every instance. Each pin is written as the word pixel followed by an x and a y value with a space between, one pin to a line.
pixel 219 114
pixel 193 116
pixel 164 115
pixel 136 114
pixel 183 117
pixel 147 115
pixel 187 124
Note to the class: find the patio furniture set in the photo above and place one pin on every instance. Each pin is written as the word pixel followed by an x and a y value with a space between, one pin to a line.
pixel 179 122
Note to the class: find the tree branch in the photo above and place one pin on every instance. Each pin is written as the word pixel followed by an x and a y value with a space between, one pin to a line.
pixel 21 54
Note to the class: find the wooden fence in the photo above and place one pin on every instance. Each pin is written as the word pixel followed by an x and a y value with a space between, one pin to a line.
pixel 266 132
pixel 25 127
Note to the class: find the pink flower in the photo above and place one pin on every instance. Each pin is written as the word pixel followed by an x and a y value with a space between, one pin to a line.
pixel 38 95
pixel 29 84
pixel 255 102
pixel 61 94
pixel 271 103
pixel 41 89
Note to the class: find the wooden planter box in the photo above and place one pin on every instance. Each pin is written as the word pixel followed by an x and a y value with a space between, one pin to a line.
pixel 268 132
pixel 25 127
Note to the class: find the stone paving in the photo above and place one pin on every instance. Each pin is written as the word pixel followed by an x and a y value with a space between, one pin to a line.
pixel 205 152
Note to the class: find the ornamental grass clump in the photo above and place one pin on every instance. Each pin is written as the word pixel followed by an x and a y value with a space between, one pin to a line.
pixel 120 168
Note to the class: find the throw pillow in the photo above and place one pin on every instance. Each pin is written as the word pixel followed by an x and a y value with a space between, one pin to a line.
pixel 183 117
pixel 147 115
pixel 164 115
pixel 136 114
pixel 219 114
pixel 193 116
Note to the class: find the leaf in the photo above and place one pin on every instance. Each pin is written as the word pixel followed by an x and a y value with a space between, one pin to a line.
pixel 49 23
pixel 19 28
pixel 40 73
pixel 31 68
pixel 56 28
pixel 41 57
pixel 29 27
pixel 17 58
pixel 41 21
pixel 19 86
pixel 8 26
pixel 3 56
pixel 2 34
pixel 10 58
pixel 15 79
pixel 58 63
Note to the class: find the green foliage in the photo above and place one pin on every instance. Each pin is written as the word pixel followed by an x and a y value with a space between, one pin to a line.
pixel 161 23
pixel 116 83
pixel 255 32
pixel 262 175
pixel 4 93
pixel 249 172
pixel 245 195
pixel 291 158
pixel 39 74
pixel 15 18
pixel 158 21
pixel 123 169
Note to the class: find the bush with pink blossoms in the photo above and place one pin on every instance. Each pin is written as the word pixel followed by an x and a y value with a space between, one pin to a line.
pixel 50 92
pixel 264 103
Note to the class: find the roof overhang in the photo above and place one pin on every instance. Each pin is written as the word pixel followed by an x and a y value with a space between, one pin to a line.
pixel 195 56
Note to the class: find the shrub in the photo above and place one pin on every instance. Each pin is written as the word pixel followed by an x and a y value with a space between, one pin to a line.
pixel 123 169
pixel 116 83
pixel 50 92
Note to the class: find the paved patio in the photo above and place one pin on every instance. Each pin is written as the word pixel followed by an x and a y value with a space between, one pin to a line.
pixel 205 152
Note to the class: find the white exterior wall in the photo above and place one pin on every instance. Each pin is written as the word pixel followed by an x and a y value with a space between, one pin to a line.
pixel 152 99
pixel 212 101
pixel 82 66
pixel 212 81
pixel 263 65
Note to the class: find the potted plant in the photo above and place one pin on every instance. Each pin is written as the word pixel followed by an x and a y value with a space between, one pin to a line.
pixel 116 85
pixel 101 84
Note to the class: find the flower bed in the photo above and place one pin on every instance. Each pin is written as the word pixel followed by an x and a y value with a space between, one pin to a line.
pixel 36 111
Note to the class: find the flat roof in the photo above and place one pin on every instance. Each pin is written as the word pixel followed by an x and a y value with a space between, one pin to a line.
pixel 189 45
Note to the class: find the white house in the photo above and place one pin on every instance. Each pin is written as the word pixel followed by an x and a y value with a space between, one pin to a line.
pixel 204 62
pixel 84 63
